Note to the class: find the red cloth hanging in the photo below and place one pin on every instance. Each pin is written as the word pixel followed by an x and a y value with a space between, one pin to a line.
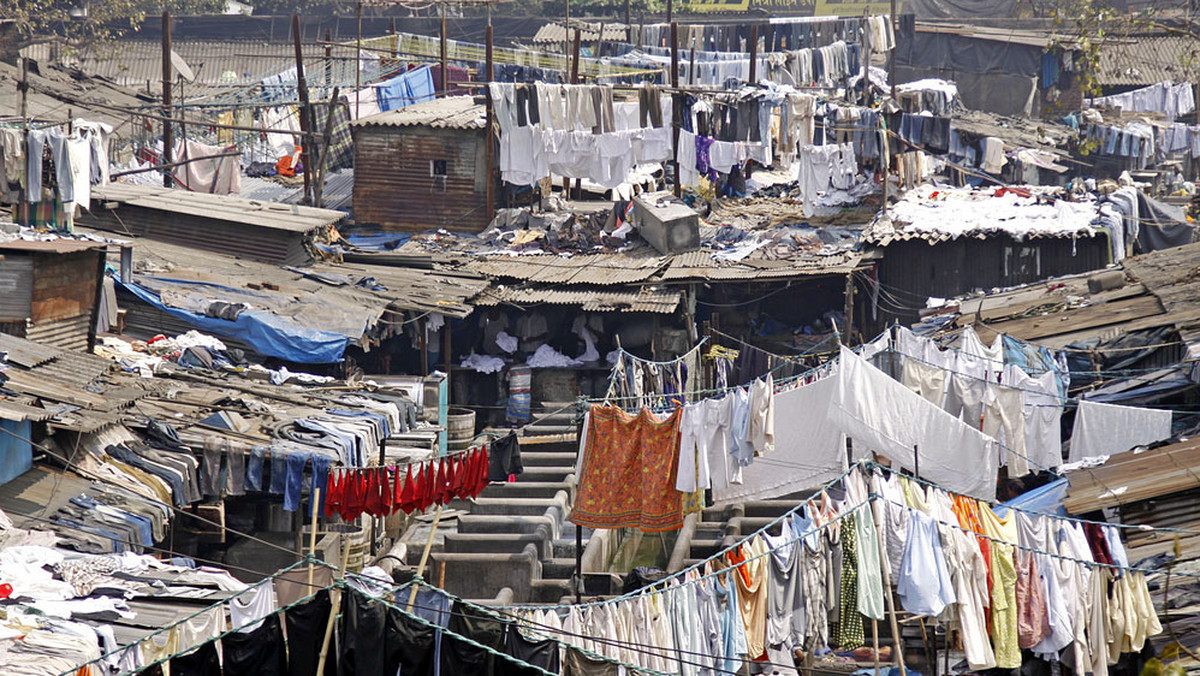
pixel 385 491
pixel 455 480
pixel 372 503
pixel 428 486
pixel 332 496
pixel 481 471
pixel 408 496
pixel 439 484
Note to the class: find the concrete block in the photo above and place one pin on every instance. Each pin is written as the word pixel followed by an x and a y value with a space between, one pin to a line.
pixel 666 223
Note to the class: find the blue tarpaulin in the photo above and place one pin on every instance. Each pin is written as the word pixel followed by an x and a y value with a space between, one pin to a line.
pixel 265 333
pixel 1046 499
pixel 406 89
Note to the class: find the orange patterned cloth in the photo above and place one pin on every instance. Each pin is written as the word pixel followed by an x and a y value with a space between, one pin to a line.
pixel 628 475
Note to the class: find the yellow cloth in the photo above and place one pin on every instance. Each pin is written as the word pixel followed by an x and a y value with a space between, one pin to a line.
pixel 161 646
pixel 225 136
pixel 1004 586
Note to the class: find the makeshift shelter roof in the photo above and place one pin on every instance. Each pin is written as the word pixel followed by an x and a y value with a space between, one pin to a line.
pixel 938 213
pixel 451 112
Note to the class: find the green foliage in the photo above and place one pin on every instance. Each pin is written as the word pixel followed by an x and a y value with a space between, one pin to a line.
pixel 105 20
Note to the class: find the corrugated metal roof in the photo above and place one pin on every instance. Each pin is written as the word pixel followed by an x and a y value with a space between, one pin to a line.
pixel 58 246
pixel 452 112
pixel 16 411
pixel 215 63
pixel 646 299
pixel 555 32
pixel 598 269
pixel 1146 60
pixel 293 218
pixel 337 194
pixel 27 353
pixel 1030 38
pixel 700 265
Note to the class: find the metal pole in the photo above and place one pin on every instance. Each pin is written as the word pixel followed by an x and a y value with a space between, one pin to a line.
pixel 489 156
pixel 305 111
pixel 916 462
pixel 167 138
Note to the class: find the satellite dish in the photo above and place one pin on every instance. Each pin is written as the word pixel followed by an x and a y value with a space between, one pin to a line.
pixel 181 67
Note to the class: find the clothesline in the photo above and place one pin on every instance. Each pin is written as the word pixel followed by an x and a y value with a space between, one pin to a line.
pixel 623 353
pixel 653 651
pixel 208 609
pixel 1137 527
pixel 661 585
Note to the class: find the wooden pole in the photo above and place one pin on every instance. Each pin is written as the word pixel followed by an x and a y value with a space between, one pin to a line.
pixel 437 518
pixel 167 137
pixel 675 107
pixel 335 600
pixel 849 309
pixel 575 57
pixel 628 25
pixel 692 67
pixel 326 140
pixel 753 53
pixel 329 59
pixel 599 41
pixel 671 11
pixel 358 57
pixel 875 641
pixel 423 332
pixel 312 535
pixel 23 89
pixel 444 87
pixel 488 141
pixel 891 61
pixel 897 647
pixel 305 111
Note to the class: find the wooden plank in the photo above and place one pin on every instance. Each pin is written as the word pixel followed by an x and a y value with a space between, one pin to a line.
pixel 1106 314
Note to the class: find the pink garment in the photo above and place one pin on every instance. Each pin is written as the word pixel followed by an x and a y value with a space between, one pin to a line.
pixel 1033 619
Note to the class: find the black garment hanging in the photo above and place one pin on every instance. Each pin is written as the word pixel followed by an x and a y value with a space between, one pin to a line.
pixel 257 653
pixel 305 632
pixel 504 458
pixel 409 646
pixel 578 664
pixel 202 661
pixel 460 657
pixel 362 651
pixel 542 654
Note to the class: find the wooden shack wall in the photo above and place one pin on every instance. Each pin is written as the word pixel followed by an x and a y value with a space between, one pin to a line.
pixel 395 187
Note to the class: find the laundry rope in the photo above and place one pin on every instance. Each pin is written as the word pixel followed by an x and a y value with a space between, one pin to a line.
pixel 1064 517
pixel 208 609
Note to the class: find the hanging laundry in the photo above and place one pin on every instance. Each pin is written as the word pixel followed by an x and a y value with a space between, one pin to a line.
pixel 629 468
pixel 1106 429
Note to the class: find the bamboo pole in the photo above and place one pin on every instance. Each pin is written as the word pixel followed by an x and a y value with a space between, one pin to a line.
pixel 335 601
pixel 312 536
pixel 412 596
